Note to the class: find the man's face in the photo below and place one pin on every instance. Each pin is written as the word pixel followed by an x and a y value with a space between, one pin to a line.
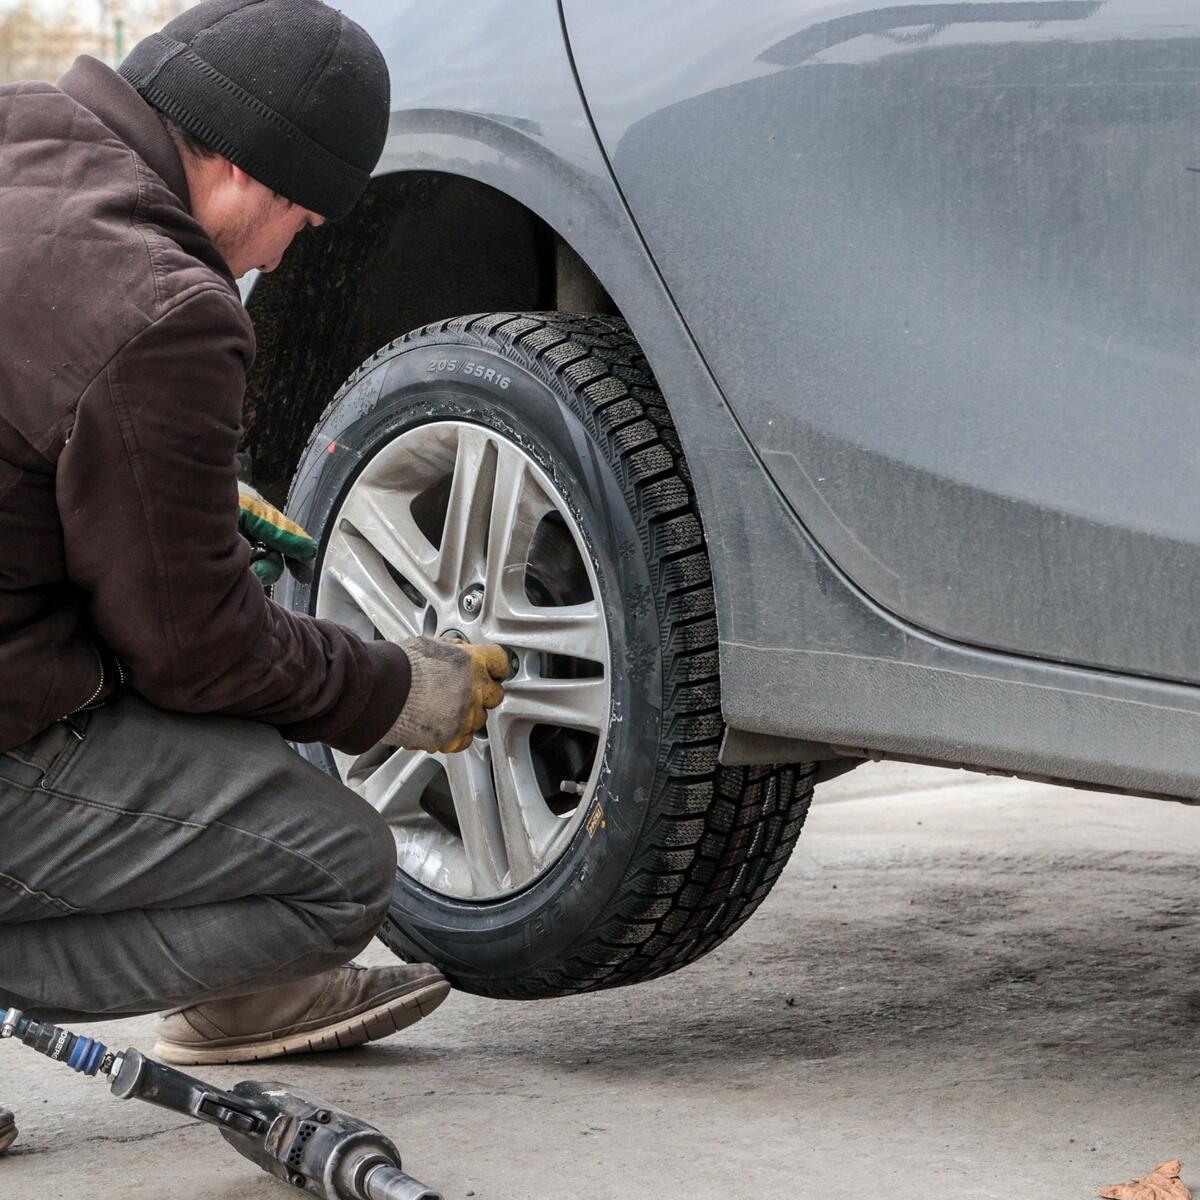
pixel 258 237
pixel 248 223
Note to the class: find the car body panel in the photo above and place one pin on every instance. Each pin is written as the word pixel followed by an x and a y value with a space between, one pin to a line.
pixel 490 95
pixel 943 260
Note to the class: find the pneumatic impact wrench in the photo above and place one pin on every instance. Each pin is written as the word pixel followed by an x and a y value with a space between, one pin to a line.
pixel 299 1140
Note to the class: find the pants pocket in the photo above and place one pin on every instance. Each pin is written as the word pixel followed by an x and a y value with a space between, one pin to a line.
pixel 43 758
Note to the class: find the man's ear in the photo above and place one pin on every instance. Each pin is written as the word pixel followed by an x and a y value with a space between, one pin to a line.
pixel 239 178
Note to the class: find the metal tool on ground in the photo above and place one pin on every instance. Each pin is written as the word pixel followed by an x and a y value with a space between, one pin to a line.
pixel 300 1140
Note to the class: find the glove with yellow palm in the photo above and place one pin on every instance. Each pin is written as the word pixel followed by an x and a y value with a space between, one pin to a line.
pixel 453 686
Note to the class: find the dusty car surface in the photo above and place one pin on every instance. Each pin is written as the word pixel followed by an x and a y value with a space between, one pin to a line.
pixel 784 384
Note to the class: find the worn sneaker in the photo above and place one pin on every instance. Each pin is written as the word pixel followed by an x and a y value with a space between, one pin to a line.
pixel 8 1129
pixel 335 1010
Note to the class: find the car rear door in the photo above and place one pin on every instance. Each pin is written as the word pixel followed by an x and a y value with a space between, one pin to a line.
pixel 943 260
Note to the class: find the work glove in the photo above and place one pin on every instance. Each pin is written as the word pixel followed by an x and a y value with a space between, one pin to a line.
pixel 275 540
pixel 453 686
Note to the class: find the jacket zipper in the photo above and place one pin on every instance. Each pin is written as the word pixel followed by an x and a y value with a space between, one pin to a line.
pixel 66 719
pixel 94 696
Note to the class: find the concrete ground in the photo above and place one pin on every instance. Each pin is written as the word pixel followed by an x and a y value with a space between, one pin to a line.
pixel 960 988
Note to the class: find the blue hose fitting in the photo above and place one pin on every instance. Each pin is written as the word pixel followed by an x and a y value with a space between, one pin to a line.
pixel 87 1056
pixel 81 1054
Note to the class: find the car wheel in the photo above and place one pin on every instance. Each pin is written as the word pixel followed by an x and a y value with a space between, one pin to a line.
pixel 516 478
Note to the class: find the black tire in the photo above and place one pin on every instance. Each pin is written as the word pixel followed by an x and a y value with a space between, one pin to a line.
pixel 677 850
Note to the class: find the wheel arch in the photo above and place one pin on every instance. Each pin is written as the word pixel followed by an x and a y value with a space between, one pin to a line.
pixel 422 246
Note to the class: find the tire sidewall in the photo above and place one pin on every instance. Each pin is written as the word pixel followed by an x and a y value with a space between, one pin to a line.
pixel 445 376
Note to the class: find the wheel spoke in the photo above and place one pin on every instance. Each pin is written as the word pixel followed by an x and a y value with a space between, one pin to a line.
pixel 464 533
pixel 503 557
pixel 474 795
pixel 571 703
pixel 576 630
pixel 518 506
pixel 358 568
pixel 528 824
pixel 384 521
pixel 394 788
pixel 352 769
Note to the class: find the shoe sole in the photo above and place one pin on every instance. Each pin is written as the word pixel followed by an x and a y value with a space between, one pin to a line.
pixel 398 1013
pixel 8 1134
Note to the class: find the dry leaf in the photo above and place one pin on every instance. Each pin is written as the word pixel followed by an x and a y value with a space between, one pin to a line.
pixel 1163 1183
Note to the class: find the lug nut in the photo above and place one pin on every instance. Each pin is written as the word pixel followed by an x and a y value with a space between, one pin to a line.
pixel 472 600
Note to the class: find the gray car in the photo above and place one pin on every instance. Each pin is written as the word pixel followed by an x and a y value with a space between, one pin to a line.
pixel 784 384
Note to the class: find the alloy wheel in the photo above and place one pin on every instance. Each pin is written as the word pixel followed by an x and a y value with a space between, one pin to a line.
pixel 454 530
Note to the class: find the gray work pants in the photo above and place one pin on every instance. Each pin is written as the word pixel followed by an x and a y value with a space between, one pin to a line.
pixel 164 859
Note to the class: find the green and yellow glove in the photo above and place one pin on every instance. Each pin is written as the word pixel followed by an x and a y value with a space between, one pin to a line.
pixel 276 540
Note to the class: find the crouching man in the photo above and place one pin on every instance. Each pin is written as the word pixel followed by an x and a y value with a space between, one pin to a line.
pixel 161 845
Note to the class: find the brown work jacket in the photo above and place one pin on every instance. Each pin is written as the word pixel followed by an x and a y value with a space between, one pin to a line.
pixel 124 349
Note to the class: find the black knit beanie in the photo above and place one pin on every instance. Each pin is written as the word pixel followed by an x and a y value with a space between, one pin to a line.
pixel 292 91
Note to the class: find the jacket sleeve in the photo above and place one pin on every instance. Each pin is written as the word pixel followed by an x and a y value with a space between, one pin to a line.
pixel 147 494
